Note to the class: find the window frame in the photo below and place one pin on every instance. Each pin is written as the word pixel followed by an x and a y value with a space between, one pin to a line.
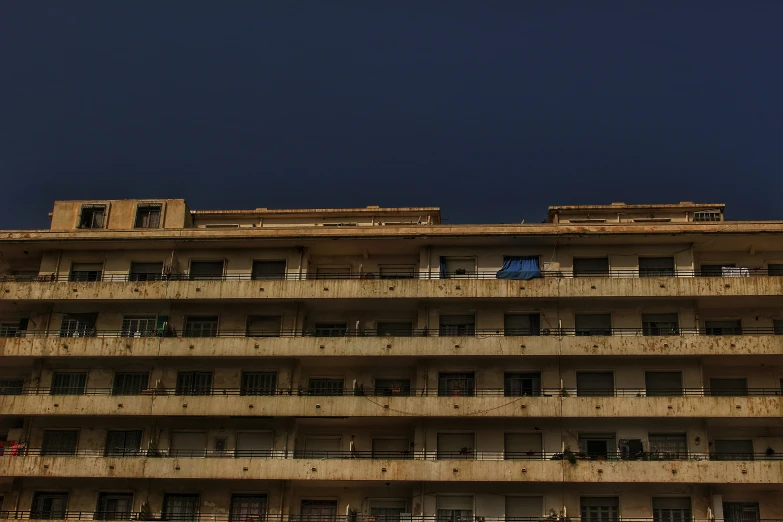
pixel 144 206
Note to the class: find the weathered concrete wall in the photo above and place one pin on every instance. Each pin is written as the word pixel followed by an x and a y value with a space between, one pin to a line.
pixel 520 407
pixel 396 289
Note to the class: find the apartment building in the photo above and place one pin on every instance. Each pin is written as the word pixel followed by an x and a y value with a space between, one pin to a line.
pixel 375 365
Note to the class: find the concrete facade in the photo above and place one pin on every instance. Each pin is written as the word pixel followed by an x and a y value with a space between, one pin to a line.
pixel 368 363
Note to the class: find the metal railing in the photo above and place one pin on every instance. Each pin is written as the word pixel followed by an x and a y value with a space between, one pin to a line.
pixel 412 392
pixel 321 517
pixel 371 276
pixel 415 332
pixel 465 454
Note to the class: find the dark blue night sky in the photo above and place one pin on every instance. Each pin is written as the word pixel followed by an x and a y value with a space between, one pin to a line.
pixel 491 110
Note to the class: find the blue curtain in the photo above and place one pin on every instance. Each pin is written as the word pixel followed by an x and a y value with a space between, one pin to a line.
pixel 442 267
pixel 519 268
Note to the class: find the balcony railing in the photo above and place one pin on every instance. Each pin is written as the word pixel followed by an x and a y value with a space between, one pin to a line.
pixel 418 332
pixel 367 276
pixel 465 454
pixel 322 517
pixel 413 392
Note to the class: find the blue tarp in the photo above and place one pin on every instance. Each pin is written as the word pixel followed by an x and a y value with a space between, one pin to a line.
pixel 519 268
pixel 442 267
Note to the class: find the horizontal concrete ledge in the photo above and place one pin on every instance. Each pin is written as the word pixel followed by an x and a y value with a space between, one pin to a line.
pixel 295 406
pixel 705 472
pixel 686 287
pixel 690 345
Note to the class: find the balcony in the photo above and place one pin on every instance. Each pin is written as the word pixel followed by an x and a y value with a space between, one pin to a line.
pixel 479 285
pixel 286 402
pixel 481 467
pixel 483 342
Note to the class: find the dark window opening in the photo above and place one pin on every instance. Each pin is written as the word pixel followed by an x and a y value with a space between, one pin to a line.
pixel 522 324
pixel 206 270
pixel 194 383
pixel 59 442
pixel 268 270
pixel 656 267
pixel 394 329
pixel 86 272
pixel 146 271
pixel 724 327
pixel 138 326
pixel 93 216
pixel 715 270
pixel 78 325
pixel 49 506
pixel 247 508
pixel 114 506
pixel 660 324
pixel 729 387
pixel 148 216
pixel 331 329
pixel 201 326
pixel 456 384
pixel 663 384
pixel 68 383
pixel 258 383
pixel 180 507
pixel 593 324
pixel 522 384
pixel 457 325
pixel 130 383
pixel 591 266
pixel 391 387
pixel 594 384
pixel 123 443
pixel 326 387
pixel 11 386
pixel 264 325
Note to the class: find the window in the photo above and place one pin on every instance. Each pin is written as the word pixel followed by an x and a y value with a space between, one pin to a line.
pixel 660 324
pixel 392 387
pixel 591 266
pixel 597 446
pixel 394 329
pixel 264 325
pixel 206 270
pixel 130 383
pixel 775 269
pixel 123 443
pixel 522 324
pixel 594 384
pixel 11 386
pixel 188 444
pixel 777 326
pixel 387 510
pixel 194 383
pixel 522 384
pixel 254 444
pixel 49 506
pixel 325 387
pixel 318 511
pixel 89 272
pixel 78 325
pixel 457 384
pixel 522 446
pixel 524 508
pixel 457 267
pixel 663 384
pixel 706 215
pixel 668 446
pixel 138 325
pixel 457 325
pixel 331 329
pixel 326 272
pixel 593 324
pixel 258 383
pixel 323 447
pixel 148 216
pixel 387 448
pixel 114 506
pixel 599 509
pixel 146 271
pixel 741 512
pixel 247 508
pixel 397 272
pixel 68 383
pixel 728 387
pixel 93 216
pixel 13 328
pixel 732 450
pixel 715 270
pixel 59 442
pixel 454 508
pixel 268 270
pixel 201 326
pixel 724 327
pixel 656 267
pixel 180 507
pixel 455 445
